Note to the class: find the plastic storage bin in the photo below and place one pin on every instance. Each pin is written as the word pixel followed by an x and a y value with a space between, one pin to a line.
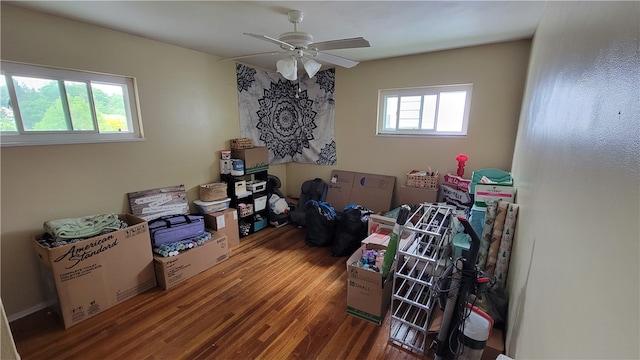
pixel 260 203
pixel 259 223
pixel 256 186
pixel 208 207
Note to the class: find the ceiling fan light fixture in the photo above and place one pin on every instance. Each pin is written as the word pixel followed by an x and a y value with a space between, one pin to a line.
pixel 288 67
pixel 311 66
pixel 299 45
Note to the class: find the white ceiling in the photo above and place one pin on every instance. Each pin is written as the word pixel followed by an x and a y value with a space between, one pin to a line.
pixel 393 28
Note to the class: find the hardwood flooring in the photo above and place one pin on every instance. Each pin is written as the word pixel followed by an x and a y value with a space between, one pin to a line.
pixel 274 298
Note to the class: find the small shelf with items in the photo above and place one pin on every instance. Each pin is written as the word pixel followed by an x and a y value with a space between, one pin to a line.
pixel 248 194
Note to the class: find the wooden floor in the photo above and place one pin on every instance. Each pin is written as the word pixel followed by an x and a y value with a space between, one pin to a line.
pixel 274 298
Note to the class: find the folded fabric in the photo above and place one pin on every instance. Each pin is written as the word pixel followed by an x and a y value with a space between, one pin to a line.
pixel 82 227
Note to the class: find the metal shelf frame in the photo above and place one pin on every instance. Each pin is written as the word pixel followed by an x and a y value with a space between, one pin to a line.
pixel 420 262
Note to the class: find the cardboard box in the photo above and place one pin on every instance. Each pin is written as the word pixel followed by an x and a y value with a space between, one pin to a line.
pixel 486 193
pixel 368 294
pixel 93 275
pixel 414 196
pixel 369 190
pixel 255 158
pixel 494 346
pixel 226 223
pixel 173 270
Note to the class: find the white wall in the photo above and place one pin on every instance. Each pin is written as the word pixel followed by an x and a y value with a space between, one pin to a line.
pixel 574 268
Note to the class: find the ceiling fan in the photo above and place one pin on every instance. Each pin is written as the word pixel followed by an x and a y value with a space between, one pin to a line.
pixel 299 46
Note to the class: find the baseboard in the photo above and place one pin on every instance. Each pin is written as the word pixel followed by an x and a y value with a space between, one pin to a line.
pixel 30 310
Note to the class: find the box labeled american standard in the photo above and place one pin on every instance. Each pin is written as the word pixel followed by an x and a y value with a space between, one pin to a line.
pixel 95 274
pixel 173 270
pixel 226 223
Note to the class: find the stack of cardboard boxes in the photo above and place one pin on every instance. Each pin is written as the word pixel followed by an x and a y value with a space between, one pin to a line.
pixel 87 277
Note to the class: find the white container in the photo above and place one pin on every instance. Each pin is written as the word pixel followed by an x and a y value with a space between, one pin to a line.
pixel 225 154
pixel 256 186
pixel 208 207
pixel 225 166
pixel 477 329
pixel 260 203
pixel 240 187
pixel 237 167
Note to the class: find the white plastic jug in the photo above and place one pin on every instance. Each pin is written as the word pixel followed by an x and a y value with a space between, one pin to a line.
pixel 237 167
pixel 477 329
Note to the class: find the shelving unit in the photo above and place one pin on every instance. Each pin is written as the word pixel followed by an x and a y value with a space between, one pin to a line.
pixel 419 265
pixel 255 220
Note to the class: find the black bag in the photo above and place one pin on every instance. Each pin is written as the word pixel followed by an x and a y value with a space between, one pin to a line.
pixel 321 223
pixel 172 228
pixel 351 229
pixel 315 189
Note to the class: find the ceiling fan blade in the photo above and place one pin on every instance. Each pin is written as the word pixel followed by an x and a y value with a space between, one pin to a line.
pixel 252 55
pixel 282 44
pixel 350 43
pixel 336 60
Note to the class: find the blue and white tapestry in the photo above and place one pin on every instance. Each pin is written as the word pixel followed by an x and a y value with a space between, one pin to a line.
pixel 293 119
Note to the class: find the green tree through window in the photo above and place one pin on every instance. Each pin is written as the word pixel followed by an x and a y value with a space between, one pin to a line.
pixel 78 106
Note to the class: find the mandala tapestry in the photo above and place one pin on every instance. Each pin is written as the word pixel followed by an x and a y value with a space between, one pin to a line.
pixel 293 119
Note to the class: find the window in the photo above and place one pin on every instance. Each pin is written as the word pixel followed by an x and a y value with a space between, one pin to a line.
pixel 433 110
pixel 45 106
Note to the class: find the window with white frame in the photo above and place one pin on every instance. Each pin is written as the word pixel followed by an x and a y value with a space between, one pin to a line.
pixel 432 110
pixel 46 106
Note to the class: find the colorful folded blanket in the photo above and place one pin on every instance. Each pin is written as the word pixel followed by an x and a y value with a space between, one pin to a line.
pixel 82 227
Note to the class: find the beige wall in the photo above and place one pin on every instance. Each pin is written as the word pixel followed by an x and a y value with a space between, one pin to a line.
pixel 184 134
pixel 189 112
pixel 574 267
pixel 497 72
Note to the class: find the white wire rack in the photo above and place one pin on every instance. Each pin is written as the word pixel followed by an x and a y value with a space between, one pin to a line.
pixel 419 264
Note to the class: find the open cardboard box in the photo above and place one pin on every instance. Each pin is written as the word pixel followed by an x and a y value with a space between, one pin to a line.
pixel 95 274
pixel 368 293
pixel 173 270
